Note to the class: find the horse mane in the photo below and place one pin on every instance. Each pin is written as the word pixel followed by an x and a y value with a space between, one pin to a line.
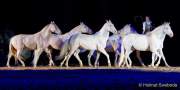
pixel 76 28
pixel 72 31
pixel 158 28
pixel 102 27
pixel 57 28
pixel 126 26
pixel 45 27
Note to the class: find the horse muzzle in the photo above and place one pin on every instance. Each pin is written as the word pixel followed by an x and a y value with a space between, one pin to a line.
pixel 171 35
pixel 115 32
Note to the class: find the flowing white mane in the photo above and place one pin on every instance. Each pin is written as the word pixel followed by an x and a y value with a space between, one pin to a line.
pixel 159 28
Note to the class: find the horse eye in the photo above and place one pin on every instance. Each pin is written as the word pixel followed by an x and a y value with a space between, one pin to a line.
pixel 53 33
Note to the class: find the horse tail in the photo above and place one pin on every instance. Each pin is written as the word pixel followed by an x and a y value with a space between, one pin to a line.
pixel 66 47
pixel 121 59
pixel 12 50
pixel 64 50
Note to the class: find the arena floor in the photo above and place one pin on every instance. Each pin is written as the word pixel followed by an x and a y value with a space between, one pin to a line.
pixel 158 69
pixel 89 78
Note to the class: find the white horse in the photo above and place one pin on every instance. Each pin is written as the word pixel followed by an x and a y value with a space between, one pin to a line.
pixel 37 42
pixel 58 42
pixel 153 42
pixel 114 43
pixel 96 41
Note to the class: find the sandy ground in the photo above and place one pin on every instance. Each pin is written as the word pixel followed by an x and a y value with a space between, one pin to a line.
pixel 159 69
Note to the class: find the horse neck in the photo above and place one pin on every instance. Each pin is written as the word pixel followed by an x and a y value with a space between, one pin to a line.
pixel 159 33
pixel 45 33
pixel 162 37
pixel 115 38
pixel 70 33
pixel 103 33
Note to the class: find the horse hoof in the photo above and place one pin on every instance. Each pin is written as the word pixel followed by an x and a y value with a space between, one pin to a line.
pixel 61 65
pixel 156 65
pixel 90 65
pixel 128 66
pixel 95 66
pixel 144 65
pixel 7 65
pixel 52 64
pixel 67 65
pixel 109 65
pixel 150 65
pixel 49 65
pixel 116 65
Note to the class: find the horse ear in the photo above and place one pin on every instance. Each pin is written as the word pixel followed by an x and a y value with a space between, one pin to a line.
pixel 110 21
pixel 167 23
pixel 81 23
pixel 107 21
pixel 52 21
pixel 119 31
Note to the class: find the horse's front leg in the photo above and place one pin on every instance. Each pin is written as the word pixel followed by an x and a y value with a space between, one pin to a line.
pixel 127 53
pixel 70 54
pixel 76 54
pixel 121 59
pixel 48 52
pixel 89 57
pixel 158 59
pixel 153 58
pixel 61 64
pixel 102 50
pixel 37 53
pixel 116 58
pixel 96 63
pixel 164 59
pixel 126 62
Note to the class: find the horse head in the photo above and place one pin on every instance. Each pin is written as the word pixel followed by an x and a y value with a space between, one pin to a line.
pixel 127 29
pixel 53 28
pixel 167 29
pixel 110 27
pixel 84 28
